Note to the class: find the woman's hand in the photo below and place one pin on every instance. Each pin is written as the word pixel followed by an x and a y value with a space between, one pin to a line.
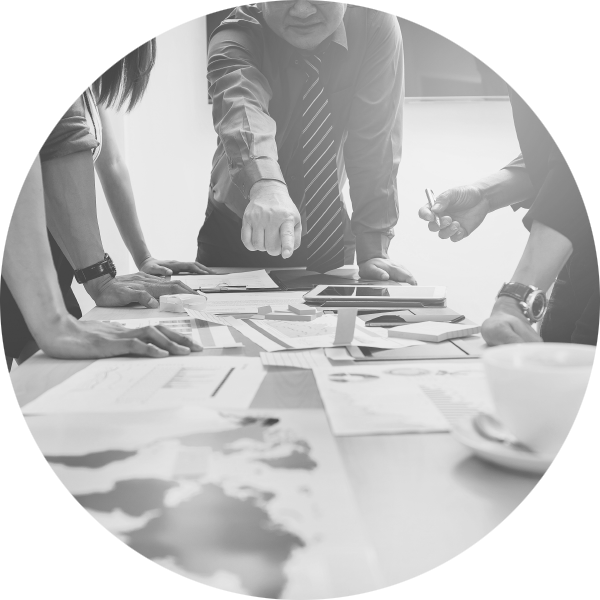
pixel 164 268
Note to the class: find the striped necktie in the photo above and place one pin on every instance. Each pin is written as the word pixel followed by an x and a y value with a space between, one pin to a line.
pixel 324 218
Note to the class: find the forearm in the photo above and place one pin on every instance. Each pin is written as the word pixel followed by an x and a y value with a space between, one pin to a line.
pixel 71 215
pixel 509 186
pixel 544 256
pixel 28 268
pixel 117 188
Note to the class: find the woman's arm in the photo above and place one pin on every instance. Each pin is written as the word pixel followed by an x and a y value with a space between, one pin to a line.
pixel 116 183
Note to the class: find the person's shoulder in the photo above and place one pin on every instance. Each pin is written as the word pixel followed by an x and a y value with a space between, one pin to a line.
pixel 248 18
pixel 374 21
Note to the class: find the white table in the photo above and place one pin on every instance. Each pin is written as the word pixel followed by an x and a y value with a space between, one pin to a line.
pixel 423 497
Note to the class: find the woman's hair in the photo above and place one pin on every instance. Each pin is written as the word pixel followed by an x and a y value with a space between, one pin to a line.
pixel 119 62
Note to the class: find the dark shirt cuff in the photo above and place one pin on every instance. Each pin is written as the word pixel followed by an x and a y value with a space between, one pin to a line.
pixel 16 108
pixel 259 168
pixel 372 245
pixel 567 202
pixel 70 135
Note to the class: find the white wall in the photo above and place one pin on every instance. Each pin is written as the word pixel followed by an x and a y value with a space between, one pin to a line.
pixel 170 142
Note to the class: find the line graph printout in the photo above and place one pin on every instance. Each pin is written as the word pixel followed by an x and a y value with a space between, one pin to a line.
pixel 142 384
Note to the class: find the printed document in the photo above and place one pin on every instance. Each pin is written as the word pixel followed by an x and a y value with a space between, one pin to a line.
pixel 142 384
pixel 404 397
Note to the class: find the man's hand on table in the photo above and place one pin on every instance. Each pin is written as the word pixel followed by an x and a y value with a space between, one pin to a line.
pixel 165 268
pixel 507 325
pixel 383 269
pixel 68 338
pixel 138 287
pixel 271 222
pixel 460 210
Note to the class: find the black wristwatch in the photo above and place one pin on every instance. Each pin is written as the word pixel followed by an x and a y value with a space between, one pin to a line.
pixel 532 301
pixel 103 267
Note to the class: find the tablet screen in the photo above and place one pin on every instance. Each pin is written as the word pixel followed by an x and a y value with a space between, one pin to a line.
pixel 405 291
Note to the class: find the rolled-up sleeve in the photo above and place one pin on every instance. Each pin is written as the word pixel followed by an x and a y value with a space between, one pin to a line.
pixel 568 200
pixel 373 147
pixel 240 94
pixel 17 110
pixel 56 91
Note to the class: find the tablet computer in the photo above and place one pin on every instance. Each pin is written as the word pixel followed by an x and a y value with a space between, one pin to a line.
pixel 377 295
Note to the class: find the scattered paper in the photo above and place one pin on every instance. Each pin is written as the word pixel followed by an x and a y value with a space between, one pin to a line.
pixel 244 327
pixel 143 384
pixel 412 397
pixel 206 316
pixel 249 302
pixel 338 354
pixel 300 359
pixel 319 333
pixel 258 280
pixel 208 336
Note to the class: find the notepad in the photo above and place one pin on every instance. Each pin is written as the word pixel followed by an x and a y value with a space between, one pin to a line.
pixel 434 331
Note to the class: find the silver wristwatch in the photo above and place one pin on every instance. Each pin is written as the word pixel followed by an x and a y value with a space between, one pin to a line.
pixel 531 300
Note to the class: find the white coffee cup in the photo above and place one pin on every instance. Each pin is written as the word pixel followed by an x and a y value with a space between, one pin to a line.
pixel 537 389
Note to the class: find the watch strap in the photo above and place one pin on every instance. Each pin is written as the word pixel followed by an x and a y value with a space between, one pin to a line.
pixel 102 267
pixel 518 291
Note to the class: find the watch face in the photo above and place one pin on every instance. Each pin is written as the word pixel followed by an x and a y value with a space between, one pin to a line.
pixel 538 306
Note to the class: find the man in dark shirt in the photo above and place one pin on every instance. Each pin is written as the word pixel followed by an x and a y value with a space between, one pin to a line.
pixel 305 93
pixel 560 249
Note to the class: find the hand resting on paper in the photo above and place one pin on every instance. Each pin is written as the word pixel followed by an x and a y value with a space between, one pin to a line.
pixel 68 338
pixel 138 287
pixel 507 325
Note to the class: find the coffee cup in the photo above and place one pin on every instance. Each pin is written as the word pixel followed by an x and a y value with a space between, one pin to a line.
pixel 537 389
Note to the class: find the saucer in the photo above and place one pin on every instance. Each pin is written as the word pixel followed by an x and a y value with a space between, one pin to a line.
pixel 496 452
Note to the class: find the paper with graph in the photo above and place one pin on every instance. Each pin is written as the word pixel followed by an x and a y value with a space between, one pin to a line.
pixel 143 384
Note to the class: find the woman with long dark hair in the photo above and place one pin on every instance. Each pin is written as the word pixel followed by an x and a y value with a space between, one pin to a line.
pixel 115 51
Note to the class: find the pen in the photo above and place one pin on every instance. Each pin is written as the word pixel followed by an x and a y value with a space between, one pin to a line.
pixel 457 319
pixel 431 200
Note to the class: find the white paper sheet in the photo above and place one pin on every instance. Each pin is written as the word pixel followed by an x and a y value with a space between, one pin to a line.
pixel 408 397
pixel 208 336
pixel 242 302
pixel 222 490
pixel 299 359
pixel 248 279
pixel 320 333
pixel 143 384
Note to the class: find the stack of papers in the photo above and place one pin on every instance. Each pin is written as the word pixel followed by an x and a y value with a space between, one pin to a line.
pixel 249 280
pixel 431 331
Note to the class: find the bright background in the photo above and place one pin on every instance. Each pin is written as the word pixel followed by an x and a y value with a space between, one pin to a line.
pixel 169 140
